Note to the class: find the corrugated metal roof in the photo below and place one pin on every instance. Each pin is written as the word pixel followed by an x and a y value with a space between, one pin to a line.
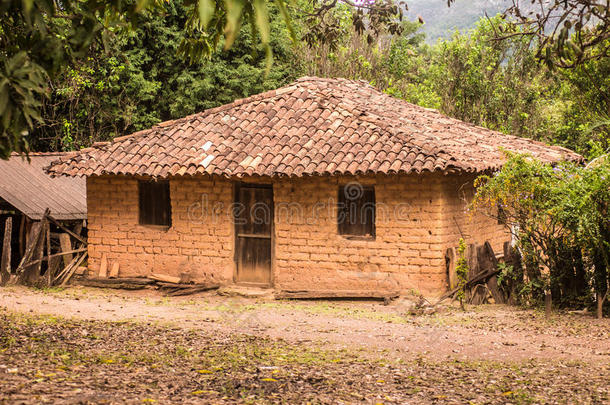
pixel 29 189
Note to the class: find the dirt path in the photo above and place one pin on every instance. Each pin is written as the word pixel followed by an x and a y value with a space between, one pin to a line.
pixel 486 333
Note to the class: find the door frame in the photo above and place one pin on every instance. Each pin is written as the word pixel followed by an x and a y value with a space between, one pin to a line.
pixel 237 185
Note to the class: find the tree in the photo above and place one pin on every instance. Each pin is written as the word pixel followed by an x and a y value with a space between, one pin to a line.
pixel 138 79
pixel 40 39
pixel 558 214
pixel 566 33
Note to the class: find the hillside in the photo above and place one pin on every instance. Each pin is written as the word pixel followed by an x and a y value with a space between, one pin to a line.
pixel 442 21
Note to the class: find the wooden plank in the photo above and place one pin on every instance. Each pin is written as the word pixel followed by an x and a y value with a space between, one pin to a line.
pixel 5 262
pixel 114 272
pixel 29 268
pixel 130 280
pixel 48 275
pixel 103 267
pixel 471 282
pixel 69 274
pixel 58 255
pixel 65 270
pixel 63 228
pixel 164 277
pixel 105 283
pixel 193 290
pixel 22 232
pixel 326 294
pixel 488 263
pixel 65 245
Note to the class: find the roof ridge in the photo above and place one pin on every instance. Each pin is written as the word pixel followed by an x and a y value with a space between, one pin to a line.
pixel 51 153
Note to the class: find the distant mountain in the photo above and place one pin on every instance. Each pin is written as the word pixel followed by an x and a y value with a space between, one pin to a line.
pixel 441 21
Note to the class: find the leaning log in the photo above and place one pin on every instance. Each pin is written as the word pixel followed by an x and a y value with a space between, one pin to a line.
pixel 119 283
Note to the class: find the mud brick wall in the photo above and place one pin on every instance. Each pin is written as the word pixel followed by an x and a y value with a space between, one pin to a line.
pixel 417 219
pixel 405 254
pixel 460 222
pixel 198 246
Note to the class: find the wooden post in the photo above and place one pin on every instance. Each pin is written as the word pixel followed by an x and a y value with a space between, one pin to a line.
pixel 66 246
pixel 49 276
pixel 548 304
pixel 29 268
pixel 5 263
pixel 21 235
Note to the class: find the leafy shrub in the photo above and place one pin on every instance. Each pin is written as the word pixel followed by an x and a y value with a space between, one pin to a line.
pixel 559 216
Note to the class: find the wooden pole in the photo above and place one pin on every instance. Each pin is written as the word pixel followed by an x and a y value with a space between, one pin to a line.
pixel 5 263
pixel 66 246
pixel 63 228
pixel 548 304
pixel 49 276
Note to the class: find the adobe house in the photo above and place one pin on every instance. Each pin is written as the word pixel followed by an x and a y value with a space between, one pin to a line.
pixel 325 184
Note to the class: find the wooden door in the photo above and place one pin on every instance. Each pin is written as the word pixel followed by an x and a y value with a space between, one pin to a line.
pixel 253 231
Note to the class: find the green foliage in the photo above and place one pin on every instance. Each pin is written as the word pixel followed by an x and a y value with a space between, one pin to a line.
pixel 22 84
pixel 506 274
pixel 559 216
pixel 496 84
pixel 140 80
pixel 38 39
pixel 462 272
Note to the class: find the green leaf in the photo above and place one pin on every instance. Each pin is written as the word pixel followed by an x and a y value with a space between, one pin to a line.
pixel 261 17
pixel 281 5
pixel 206 9
pixel 234 10
pixel 3 98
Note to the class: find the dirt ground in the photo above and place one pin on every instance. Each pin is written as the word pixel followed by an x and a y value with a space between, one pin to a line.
pixel 82 345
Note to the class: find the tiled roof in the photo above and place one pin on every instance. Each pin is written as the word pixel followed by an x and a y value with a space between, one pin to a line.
pixel 311 127
pixel 26 187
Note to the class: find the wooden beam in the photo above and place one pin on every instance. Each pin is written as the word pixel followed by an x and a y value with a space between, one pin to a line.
pixel 192 290
pixel 106 283
pixel 29 267
pixel 69 273
pixel 329 294
pixel 63 228
pixel 56 255
pixel 65 245
pixel 5 262
pixel 49 276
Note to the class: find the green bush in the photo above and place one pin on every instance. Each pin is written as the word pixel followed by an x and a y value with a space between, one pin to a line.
pixel 559 216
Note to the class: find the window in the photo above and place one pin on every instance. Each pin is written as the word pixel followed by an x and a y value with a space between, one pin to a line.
pixel 155 206
pixel 356 214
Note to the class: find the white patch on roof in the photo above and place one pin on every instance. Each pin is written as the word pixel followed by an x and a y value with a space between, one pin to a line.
pixel 206 146
pixel 205 162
